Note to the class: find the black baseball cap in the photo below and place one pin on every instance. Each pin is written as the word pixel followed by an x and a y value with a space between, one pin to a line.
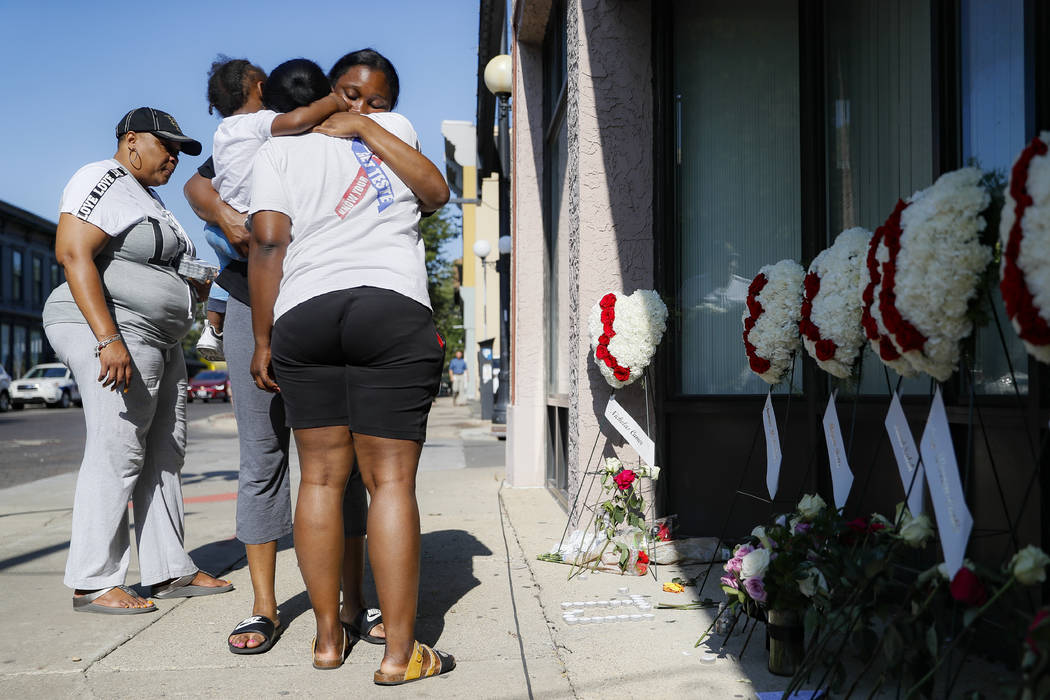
pixel 160 124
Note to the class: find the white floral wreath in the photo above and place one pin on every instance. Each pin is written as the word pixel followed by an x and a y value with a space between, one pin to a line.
pixel 771 336
pixel 1024 233
pixel 625 331
pixel 931 264
pixel 831 303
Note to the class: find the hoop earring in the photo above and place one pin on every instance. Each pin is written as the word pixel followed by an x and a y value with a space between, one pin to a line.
pixel 131 158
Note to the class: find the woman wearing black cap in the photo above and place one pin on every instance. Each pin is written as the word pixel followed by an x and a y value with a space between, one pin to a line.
pixel 117 322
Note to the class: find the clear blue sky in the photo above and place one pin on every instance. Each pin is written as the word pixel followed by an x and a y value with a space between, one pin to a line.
pixel 72 69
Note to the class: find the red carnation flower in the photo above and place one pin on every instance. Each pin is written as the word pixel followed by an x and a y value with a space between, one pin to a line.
pixel 621 373
pixel 608 316
pixel 757 284
pixel 643 563
pixel 968 589
pixel 811 284
pixel 610 361
pixel 608 301
pixel 601 352
pixel 603 339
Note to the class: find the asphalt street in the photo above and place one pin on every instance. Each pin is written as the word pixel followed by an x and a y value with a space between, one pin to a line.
pixel 39 442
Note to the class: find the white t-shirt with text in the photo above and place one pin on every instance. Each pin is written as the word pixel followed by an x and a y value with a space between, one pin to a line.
pixel 354 222
pixel 237 139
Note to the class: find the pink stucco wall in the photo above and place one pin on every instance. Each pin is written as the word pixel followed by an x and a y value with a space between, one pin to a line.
pixel 610 123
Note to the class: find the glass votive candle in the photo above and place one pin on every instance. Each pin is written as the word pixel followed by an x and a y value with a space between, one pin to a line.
pixel 623 618
pixel 636 617
pixel 614 603
pixel 572 620
pixel 566 605
pixel 578 604
pixel 622 590
pixel 648 616
pixel 591 603
pixel 602 603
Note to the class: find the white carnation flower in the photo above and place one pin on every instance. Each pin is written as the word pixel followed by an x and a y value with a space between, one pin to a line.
pixel 774 332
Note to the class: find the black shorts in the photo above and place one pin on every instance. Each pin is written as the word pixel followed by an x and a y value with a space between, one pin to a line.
pixel 365 357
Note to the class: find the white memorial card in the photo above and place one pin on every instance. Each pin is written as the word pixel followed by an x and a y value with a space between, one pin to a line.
pixel 906 453
pixel 632 432
pixel 841 476
pixel 773 455
pixel 954 521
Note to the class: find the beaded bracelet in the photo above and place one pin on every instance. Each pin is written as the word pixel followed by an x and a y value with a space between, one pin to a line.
pixel 104 342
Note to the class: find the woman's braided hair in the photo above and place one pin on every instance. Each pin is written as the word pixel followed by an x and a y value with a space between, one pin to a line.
pixel 229 81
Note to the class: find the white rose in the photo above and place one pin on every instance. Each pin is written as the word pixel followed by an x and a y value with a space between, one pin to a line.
pixel 763 538
pixel 810 506
pixel 915 531
pixel 654 472
pixel 809 585
pixel 1029 565
pixel 754 564
pixel 612 465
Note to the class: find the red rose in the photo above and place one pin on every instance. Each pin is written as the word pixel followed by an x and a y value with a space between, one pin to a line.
pixel 621 373
pixel 664 533
pixel 603 339
pixel 601 352
pixel 643 563
pixel 624 479
pixel 757 284
pixel 876 526
pixel 858 525
pixel 608 316
pixel 608 301
pixel 811 284
pixel 610 361
pixel 825 349
pixel 967 588
pixel 1040 617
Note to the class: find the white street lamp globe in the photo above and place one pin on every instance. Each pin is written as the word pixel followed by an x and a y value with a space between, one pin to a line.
pixel 482 248
pixel 498 75
pixel 504 245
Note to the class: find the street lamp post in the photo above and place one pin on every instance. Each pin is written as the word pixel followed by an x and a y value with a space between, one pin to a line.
pixel 498 77
pixel 482 248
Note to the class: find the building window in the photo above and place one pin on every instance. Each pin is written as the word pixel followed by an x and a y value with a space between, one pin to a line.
pixel 16 275
pixel 556 212
pixel 38 282
pixel 18 358
pixel 878 89
pixel 995 120
pixel 55 277
pixel 5 348
pixel 736 102
pixel 36 346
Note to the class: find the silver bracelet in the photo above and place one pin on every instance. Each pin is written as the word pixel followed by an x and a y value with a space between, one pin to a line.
pixel 104 342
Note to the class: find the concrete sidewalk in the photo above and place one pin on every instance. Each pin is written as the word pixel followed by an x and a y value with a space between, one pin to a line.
pixel 485 598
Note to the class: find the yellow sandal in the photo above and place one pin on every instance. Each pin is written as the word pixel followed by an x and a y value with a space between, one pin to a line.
pixel 436 664
pixel 331 664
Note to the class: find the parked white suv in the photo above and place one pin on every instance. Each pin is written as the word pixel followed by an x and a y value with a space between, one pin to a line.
pixel 5 391
pixel 50 384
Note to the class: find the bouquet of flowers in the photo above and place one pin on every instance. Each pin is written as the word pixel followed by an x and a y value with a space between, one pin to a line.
pixel 625 331
pixel 774 302
pixel 622 514
pixel 831 303
pixel 1024 234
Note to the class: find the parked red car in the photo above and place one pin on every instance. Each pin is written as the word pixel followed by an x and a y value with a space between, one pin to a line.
pixel 209 384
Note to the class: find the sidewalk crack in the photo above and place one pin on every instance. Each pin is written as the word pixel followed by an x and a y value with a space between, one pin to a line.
pixel 504 520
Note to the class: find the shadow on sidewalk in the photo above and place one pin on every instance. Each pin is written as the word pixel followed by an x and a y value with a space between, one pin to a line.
pixel 201 477
pixel 446 576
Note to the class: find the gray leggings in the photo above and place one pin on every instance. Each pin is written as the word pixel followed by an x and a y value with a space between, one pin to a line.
pixel 135 446
pixel 264 509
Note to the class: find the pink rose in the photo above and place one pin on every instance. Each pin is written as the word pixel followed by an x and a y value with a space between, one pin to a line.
pixel 730 581
pixel 755 589
pixel 802 527
pixel 733 565
pixel 741 551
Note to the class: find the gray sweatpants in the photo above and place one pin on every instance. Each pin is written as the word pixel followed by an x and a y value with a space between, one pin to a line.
pixel 135 447
pixel 264 510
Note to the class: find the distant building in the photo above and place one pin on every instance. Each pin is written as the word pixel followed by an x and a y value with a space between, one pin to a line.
pixel 28 273
pixel 478 193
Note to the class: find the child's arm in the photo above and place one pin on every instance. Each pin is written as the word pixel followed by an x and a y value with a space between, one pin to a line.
pixel 414 168
pixel 305 118
pixel 208 205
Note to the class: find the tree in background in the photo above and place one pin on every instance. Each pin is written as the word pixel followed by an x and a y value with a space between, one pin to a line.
pixel 438 230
